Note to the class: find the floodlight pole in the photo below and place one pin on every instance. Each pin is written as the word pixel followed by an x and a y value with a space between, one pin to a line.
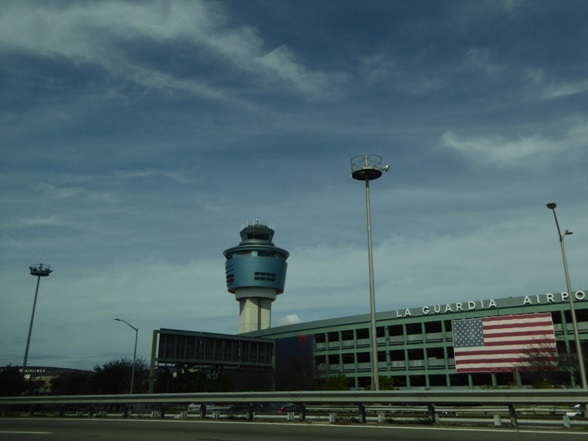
pixel 561 236
pixel 366 168
pixel 37 270
pixel 134 353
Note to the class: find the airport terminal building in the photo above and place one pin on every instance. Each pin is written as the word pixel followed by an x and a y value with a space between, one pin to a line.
pixel 415 346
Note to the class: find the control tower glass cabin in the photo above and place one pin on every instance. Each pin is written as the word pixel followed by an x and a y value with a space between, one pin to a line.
pixel 256 274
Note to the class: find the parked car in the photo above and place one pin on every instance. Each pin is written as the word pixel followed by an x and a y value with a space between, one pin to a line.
pixel 577 411
pixel 210 407
pixel 267 408
pixel 288 407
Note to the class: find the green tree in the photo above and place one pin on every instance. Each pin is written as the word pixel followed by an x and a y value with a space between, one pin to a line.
pixel 387 383
pixel 12 382
pixel 185 379
pixel 297 374
pixel 114 377
pixel 71 383
pixel 544 369
pixel 336 382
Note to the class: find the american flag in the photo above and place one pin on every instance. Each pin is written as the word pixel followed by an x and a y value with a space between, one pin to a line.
pixel 504 343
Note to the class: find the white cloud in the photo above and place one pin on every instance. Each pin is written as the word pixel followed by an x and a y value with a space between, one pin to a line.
pixel 503 151
pixel 174 176
pixel 281 63
pixel 383 69
pixel 102 33
pixel 561 89
pixel 44 221
pixel 547 87
pixel 475 14
pixel 479 58
pixel 320 267
pixel 290 319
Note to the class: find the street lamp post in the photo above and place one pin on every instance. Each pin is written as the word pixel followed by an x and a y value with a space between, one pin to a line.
pixel 38 270
pixel 134 353
pixel 561 236
pixel 368 168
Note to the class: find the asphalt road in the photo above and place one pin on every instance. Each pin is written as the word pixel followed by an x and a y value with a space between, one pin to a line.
pixel 31 429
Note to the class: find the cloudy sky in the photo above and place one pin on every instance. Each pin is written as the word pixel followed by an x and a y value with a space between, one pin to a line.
pixel 138 137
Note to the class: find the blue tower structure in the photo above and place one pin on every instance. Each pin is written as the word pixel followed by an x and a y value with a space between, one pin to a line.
pixel 256 274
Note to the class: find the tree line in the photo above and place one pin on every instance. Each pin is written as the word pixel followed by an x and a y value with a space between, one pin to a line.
pixel 114 377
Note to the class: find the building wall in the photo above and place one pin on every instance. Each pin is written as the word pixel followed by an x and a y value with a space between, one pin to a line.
pixel 248 363
pixel 415 346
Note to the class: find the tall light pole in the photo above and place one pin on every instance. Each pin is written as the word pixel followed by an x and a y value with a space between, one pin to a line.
pixel 38 270
pixel 369 168
pixel 134 353
pixel 561 236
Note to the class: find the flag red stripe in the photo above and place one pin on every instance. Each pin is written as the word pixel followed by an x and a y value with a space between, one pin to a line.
pixel 524 359
pixel 533 342
pixel 482 351
pixel 516 318
pixel 540 332
pixel 499 369
pixel 508 361
pixel 520 342
pixel 517 325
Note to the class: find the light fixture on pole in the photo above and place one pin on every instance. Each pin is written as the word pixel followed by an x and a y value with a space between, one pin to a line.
pixel 134 353
pixel 368 168
pixel 38 270
pixel 561 236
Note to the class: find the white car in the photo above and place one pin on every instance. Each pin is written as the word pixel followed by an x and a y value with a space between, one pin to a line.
pixel 210 407
pixel 578 411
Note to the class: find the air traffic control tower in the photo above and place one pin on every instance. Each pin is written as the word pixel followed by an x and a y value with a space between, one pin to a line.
pixel 256 274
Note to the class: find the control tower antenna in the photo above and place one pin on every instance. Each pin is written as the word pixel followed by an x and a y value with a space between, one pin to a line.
pixel 256 274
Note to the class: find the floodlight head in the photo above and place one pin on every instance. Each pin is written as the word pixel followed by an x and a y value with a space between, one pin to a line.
pixel 552 205
pixel 367 167
pixel 40 270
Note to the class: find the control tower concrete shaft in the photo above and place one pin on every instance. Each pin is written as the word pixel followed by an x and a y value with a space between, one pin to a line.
pixel 256 274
